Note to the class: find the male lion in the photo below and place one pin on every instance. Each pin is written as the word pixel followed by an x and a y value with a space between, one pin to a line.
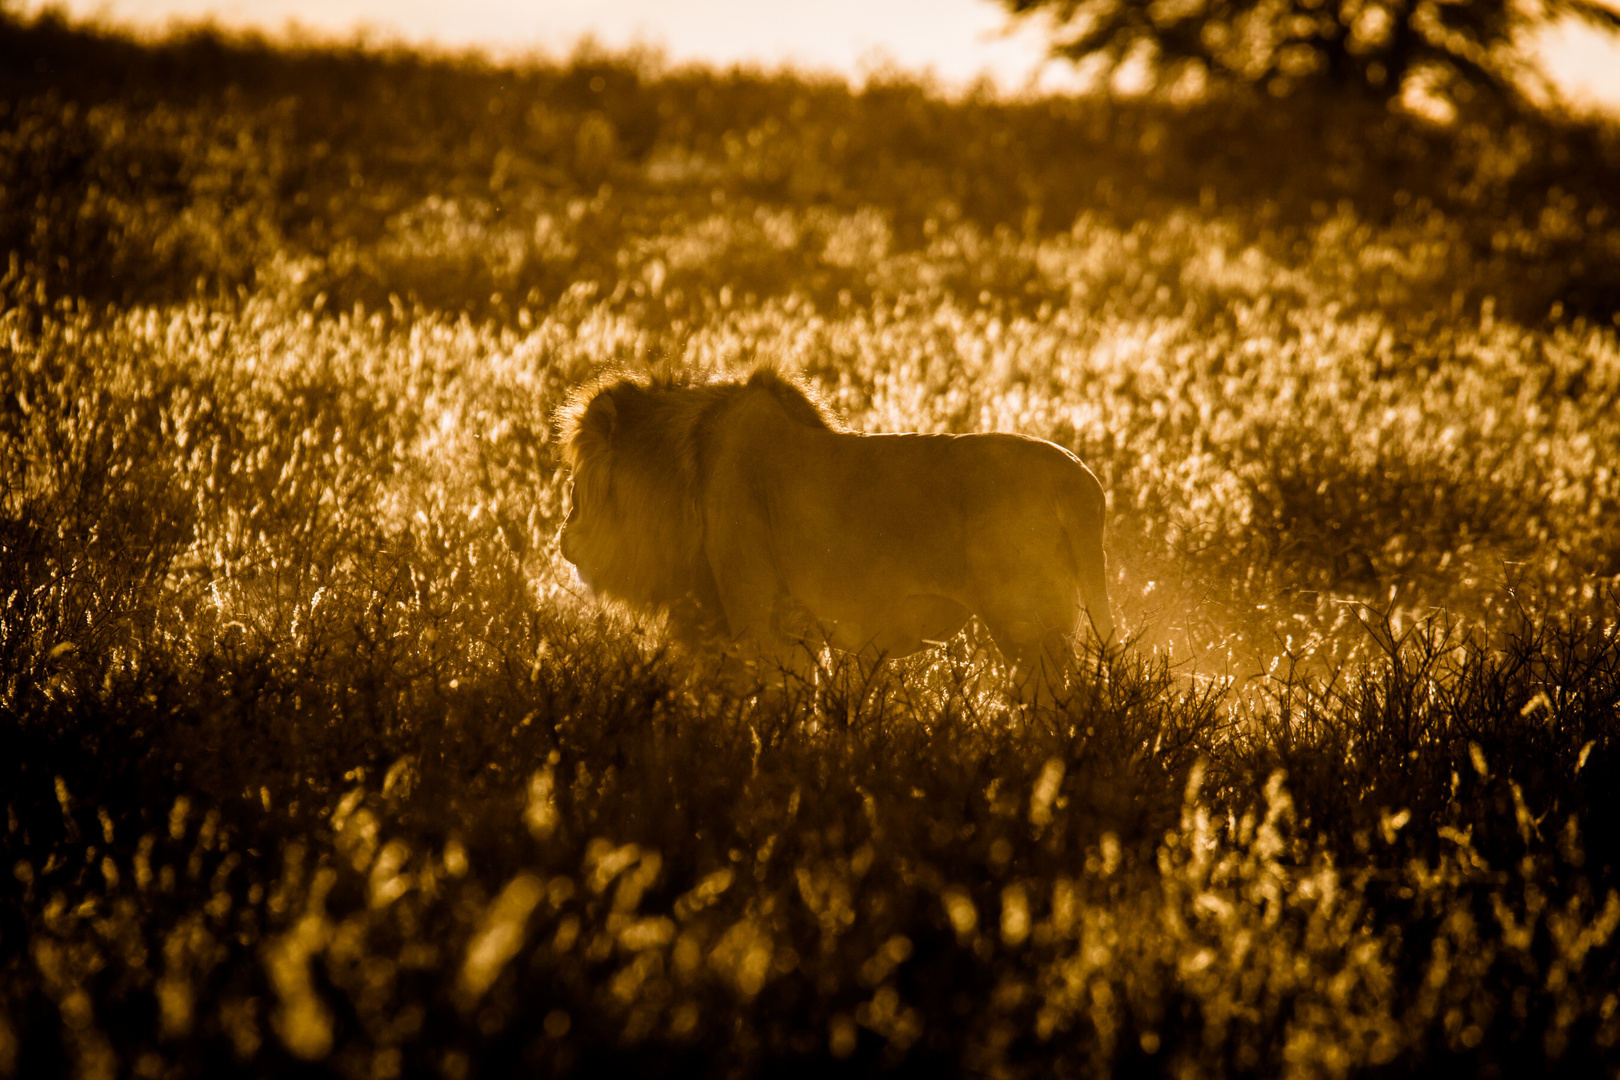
pixel 747 514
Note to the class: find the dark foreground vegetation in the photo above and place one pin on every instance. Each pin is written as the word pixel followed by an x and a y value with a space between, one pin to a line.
pixel 314 760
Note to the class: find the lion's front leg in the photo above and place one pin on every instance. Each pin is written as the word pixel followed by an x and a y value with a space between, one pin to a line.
pixel 696 622
pixel 758 611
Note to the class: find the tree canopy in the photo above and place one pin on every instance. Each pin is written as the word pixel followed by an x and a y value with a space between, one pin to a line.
pixel 1449 50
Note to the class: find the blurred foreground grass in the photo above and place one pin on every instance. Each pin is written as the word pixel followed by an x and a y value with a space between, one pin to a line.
pixel 315 760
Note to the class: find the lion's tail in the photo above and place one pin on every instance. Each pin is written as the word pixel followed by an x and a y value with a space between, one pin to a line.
pixel 1081 513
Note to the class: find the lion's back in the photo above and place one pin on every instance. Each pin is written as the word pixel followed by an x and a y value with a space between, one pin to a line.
pixel 844 513
pixel 908 483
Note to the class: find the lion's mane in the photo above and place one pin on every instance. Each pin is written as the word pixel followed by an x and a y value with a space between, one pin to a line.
pixel 636 448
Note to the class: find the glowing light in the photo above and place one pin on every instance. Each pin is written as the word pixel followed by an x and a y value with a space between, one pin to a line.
pixel 500 935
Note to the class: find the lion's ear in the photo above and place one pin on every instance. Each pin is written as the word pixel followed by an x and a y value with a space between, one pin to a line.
pixel 602 417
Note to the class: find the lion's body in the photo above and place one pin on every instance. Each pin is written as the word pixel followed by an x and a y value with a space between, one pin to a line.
pixel 776 528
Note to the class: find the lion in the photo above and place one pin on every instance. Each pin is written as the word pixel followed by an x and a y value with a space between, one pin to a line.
pixel 744 511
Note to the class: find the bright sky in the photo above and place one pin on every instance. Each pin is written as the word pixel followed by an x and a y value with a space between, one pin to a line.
pixel 957 39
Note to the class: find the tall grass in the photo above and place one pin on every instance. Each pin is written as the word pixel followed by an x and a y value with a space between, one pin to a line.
pixel 317 759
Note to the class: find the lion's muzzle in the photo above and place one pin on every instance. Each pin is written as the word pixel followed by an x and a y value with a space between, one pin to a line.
pixel 569 545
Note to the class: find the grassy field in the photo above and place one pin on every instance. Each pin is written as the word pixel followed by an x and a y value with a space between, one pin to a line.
pixel 316 760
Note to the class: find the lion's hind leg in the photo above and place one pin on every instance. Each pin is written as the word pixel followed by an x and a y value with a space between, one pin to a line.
pixel 1039 655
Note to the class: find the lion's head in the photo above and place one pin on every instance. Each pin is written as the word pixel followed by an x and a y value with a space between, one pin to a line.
pixel 633 529
pixel 635 447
